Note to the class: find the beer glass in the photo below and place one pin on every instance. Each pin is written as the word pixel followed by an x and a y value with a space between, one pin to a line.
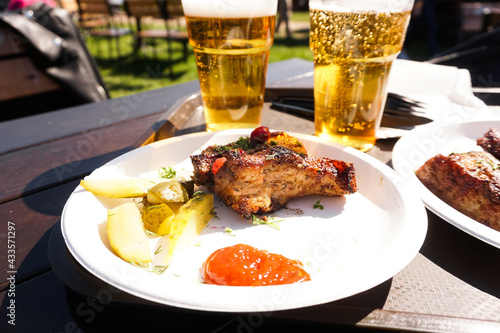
pixel 231 40
pixel 354 43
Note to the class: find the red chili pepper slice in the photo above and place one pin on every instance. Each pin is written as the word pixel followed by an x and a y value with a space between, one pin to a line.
pixel 218 164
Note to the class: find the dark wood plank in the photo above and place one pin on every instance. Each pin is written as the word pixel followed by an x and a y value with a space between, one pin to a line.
pixel 33 130
pixel 32 218
pixel 53 163
pixel 11 44
pixel 20 78
pixel 38 306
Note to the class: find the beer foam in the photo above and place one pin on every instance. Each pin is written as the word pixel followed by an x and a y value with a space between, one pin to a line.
pixel 362 5
pixel 230 8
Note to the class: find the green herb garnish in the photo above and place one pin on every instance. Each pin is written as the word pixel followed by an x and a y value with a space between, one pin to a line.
pixel 198 195
pixel 269 221
pixel 214 213
pixel 167 173
pixel 242 143
pixel 318 205
pixel 150 268
pixel 229 231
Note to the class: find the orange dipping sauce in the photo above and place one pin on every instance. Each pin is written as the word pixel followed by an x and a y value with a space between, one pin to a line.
pixel 244 265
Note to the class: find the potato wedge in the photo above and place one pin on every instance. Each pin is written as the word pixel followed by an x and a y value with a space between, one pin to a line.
pixel 126 233
pixel 189 221
pixel 119 188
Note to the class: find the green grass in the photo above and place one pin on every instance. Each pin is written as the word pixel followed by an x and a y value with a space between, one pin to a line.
pixel 145 70
pixel 150 68
pixel 300 16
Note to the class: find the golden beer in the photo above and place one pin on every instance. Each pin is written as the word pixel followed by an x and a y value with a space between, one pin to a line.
pixel 231 56
pixel 353 54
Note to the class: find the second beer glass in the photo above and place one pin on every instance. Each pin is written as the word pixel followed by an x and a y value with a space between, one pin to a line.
pixel 354 44
pixel 231 40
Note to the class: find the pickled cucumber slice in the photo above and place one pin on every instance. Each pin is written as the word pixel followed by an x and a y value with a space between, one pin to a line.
pixel 167 191
pixel 154 216
pixel 175 206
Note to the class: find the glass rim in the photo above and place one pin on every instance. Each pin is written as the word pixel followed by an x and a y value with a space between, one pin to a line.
pixel 362 5
pixel 230 8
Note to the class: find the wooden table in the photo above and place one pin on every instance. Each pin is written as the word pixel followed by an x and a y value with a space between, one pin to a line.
pixel 451 285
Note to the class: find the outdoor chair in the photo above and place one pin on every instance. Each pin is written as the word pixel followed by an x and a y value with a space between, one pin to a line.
pixel 153 18
pixel 98 19
pixel 71 6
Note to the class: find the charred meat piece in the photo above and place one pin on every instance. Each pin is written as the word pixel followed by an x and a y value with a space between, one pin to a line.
pixel 204 162
pixel 490 142
pixel 266 180
pixel 469 182
pixel 203 165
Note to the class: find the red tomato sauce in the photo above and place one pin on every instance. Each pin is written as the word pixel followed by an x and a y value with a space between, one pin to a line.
pixel 244 265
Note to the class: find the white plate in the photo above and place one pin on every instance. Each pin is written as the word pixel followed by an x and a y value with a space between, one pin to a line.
pixel 415 148
pixel 354 244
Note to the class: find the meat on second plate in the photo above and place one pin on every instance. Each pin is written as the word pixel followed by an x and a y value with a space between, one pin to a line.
pixel 469 182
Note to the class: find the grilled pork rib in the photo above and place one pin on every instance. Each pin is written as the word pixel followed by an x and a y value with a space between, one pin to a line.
pixel 268 179
pixel 468 182
pixel 265 180
pixel 490 142
pixel 203 162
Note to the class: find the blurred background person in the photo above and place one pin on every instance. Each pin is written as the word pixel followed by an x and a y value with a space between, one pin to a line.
pixel 285 10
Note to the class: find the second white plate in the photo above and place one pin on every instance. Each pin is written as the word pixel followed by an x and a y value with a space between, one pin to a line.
pixel 415 148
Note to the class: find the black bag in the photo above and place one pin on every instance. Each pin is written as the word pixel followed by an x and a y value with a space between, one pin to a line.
pixel 56 48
